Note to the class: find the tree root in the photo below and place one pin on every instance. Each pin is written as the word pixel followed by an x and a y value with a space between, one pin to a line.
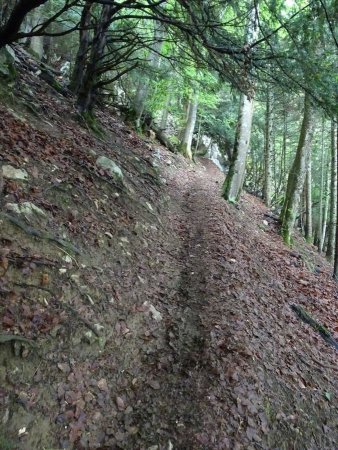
pixel 4 338
pixel 40 234
pixel 323 331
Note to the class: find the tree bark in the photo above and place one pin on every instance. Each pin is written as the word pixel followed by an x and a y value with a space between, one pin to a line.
pixel 335 267
pixel 321 191
pixel 36 42
pixel 234 181
pixel 185 146
pixel 308 203
pixel 268 151
pixel 82 53
pixel 325 213
pixel 144 85
pixel 333 195
pixel 297 173
pixel 165 112
pixel 87 89
pixel 9 31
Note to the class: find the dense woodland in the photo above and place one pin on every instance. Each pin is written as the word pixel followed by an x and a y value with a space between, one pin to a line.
pixel 257 81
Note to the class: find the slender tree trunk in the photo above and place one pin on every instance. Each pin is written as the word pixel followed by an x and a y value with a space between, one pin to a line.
pixel 335 268
pixel 82 53
pixel 333 195
pixel 87 89
pixel 321 192
pixel 268 151
pixel 308 203
pixel 165 112
pixel 36 42
pixel 297 173
pixel 198 137
pixel 326 211
pixel 144 85
pixel 234 181
pixel 185 146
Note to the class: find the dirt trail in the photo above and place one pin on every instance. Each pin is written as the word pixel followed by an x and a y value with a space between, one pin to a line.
pixel 226 377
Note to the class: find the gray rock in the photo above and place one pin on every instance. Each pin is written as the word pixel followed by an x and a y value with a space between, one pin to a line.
pixel 7 63
pixel 110 166
pixel 25 208
pixel 14 174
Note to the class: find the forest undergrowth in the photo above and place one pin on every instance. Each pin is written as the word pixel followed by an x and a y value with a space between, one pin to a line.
pixel 143 311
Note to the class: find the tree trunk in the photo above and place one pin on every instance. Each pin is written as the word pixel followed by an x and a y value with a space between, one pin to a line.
pixel 335 268
pixel 82 53
pixel 268 151
pixel 308 203
pixel 144 85
pixel 165 112
pixel 14 19
pixel 297 173
pixel 234 181
pixel 333 196
pixel 321 191
pixel 325 214
pixel 87 89
pixel 185 146
pixel 36 42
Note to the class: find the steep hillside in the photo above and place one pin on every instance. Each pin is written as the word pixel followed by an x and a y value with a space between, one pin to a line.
pixel 141 311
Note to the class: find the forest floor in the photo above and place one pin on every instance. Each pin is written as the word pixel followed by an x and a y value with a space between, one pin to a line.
pixel 148 313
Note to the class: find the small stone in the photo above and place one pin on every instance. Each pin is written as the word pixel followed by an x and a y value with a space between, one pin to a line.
pixel 97 416
pixel 110 166
pixel 89 337
pixel 64 367
pixel 75 277
pixel 12 173
pixel 266 223
pixel 98 327
pixel 156 314
pixel 148 205
pixel 102 385
pixel 154 384
pixel 67 259
pixel 22 431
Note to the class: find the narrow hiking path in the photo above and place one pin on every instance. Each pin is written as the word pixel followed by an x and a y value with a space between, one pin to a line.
pixel 230 371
